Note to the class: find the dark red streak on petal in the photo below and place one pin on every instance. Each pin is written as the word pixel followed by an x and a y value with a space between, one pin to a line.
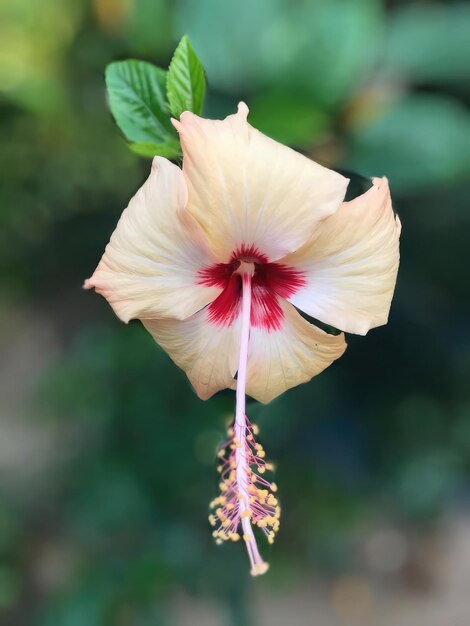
pixel 266 311
pixel 281 279
pixel 226 307
pixel 216 275
pixel 270 282
pixel 248 253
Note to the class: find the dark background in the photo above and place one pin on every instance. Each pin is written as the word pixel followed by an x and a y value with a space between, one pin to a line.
pixel 106 455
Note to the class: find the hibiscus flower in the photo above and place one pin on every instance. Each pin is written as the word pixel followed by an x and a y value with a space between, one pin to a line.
pixel 217 259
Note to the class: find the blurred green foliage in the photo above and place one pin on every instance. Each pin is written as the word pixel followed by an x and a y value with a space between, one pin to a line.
pixel 117 525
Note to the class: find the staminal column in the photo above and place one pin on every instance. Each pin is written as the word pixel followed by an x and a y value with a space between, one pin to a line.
pixel 258 566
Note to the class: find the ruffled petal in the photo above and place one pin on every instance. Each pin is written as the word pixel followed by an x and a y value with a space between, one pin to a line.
pixel 279 360
pixel 246 189
pixel 351 263
pixel 150 266
pixel 207 352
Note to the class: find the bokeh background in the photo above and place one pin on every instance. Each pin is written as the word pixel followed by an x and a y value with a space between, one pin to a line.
pixel 106 455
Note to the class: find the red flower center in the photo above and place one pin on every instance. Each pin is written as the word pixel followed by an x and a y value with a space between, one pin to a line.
pixel 270 281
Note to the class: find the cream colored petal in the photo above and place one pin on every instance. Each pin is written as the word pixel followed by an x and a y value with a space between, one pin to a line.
pixel 351 263
pixel 247 189
pixel 149 268
pixel 286 358
pixel 206 352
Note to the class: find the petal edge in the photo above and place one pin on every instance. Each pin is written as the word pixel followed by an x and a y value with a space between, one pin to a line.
pixel 351 263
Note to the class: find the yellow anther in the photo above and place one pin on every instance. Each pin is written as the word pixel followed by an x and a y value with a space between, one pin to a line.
pixel 245 514
pixel 226 523
pixel 230 431
pixel 234 536
pixel 261 469
pixel 219 542
pixel 269 466
pixel 222 500
pixel 230 506
pixel 273 487
pixel 211 520
pixel 220 468
pixel 255 429
pixel 246 538
pixel 261 454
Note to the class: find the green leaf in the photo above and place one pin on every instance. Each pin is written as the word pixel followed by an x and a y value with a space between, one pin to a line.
pixel 148 149
pixel 137 100
pixel 186 84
